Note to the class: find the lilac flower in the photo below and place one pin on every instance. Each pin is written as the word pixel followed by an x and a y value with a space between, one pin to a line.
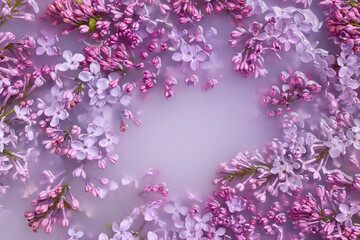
pixel 104 83
pixel 21 113
pixel 109 141
pixel 3 140
pixel 269 34
pixel 46 45
pixel 296 180
pixel 189 228
pixel 72 61
pixel 336 146
pixel 73 234
pixel 217 235
pixel 236 204
pixel 255 28
pixel 347 65
pixel 279 168
pixel 288 39
pixel 94 73
pixel 322 66
pixel 176 210
pixel 175 34
pixel 346 214
pixel 201 222
pixel 150 212
pixel 192 54
pixel 300 23
pixel 85 148
pixel 122 229
pixel 57 113
pixel 353 139
pixel 347 48
pixel 346 82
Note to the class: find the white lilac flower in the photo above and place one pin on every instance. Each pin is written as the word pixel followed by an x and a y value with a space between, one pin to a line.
pixel 86 148
pixel 46 45
pixel 202 222
pixel 104 83
pixel 189 228
pixel 57 113
pixel 74 235
pixel 192 54
pixel 122 229
pixel 72 61
pixel 346 214
pixel 94 73
pixel 150 213
pixel 109 141
pixel 356 128
pixel 21 113
pixel 176 210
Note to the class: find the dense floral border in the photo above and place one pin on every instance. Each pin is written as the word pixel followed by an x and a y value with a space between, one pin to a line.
pixel 306 180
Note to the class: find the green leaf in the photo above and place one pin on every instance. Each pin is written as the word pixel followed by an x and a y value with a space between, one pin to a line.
pixel 78 1
pixel 92 23
pixel 353 4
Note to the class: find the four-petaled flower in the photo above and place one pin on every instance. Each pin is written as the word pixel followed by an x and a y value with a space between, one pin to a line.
pixel 86 148
pixel 72 61
pixel 346 214
pixel 57 113
pixel 193 54
pixel 46 45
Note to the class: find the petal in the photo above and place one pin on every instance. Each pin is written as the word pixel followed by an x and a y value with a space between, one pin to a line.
pixel 40 51
pixel 63 66
pixel 194 65
pixel 95 67
pixel 49 111
pixel 78 57
pixel 201 56
pixel 85 76
pixel 42 41
pixel 67 55
pixel 54 121
pixel 77 145
pixel 102 84
pixel 176 56
pixel 103 236
pixel 344 208
pixel 93 151
pixel 103 142
pixel 51 40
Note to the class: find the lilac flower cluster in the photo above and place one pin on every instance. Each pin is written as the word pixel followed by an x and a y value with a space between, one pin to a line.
pixel 18 9
pixel 307 179
pixel 284 29
pixel 296 86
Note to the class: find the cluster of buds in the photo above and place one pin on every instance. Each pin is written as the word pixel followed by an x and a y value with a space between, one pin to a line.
pixel 51 207
pixel 159 188
pixel 343 21
pixel 295 86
